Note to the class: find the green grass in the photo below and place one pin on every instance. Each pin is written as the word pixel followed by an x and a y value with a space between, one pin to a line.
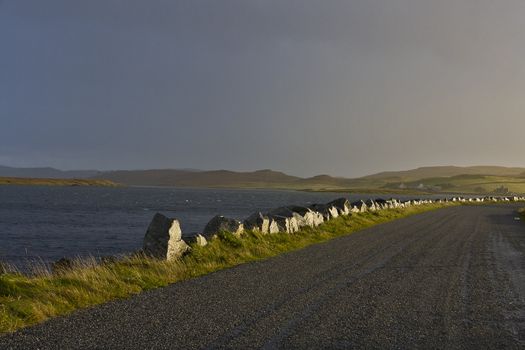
pixel 459 184
pixel 469 184
pixel 377 191
pixel 27 300
pixel 55 182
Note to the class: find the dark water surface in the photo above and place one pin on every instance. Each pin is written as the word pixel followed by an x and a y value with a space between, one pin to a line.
pixel 47 223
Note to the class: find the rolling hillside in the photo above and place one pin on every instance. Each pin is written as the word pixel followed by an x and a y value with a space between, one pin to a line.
pixel 46 173
pixel 442 179
pixel 445 171
pixel 188 178
pixel 470 184
pixel 446 179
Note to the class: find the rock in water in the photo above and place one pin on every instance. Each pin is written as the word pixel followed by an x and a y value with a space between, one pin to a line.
pixel 164 238
pixel 221 224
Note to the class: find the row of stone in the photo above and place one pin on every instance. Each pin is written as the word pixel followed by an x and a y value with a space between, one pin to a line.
pixel 164 240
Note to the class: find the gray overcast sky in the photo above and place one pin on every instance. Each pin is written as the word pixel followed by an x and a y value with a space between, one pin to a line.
pixel 306 87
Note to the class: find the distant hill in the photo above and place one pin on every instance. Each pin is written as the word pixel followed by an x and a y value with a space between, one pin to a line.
pixel 428 179
pixel 439 179
pixel 222 178
pixel 445 171
pixel 326 180
pixel 46 173
pixel 189 178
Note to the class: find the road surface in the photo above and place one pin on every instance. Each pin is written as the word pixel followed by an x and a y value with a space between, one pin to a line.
pixel 451 278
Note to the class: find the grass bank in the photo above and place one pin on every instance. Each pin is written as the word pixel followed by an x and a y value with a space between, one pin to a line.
pixel 27 300
pixel 55 182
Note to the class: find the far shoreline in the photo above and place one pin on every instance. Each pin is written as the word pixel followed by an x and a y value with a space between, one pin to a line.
pixel 20 181
pixel 54 182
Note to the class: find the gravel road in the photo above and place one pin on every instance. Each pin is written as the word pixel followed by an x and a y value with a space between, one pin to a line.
pixel 447 279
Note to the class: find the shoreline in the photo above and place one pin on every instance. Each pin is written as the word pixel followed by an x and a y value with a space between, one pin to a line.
pixel 21 181
pixel 76 284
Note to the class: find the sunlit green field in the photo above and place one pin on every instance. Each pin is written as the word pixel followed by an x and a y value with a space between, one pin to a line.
pixel 460 184
pixel 474 184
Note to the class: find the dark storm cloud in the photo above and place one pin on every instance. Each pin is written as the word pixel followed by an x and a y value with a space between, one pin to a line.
pixel 344 87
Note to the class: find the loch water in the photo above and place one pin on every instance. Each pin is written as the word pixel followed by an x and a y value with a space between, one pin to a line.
pixel 46 223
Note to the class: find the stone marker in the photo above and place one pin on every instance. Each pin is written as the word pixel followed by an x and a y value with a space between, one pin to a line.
pixel 200 240
pixel 164 238
pixel 342 204
pixel 308 216
pixel 220 223
pixel 303 215
pixel 371 205
pixel 284 223
pixel 380 204
pixel 257 222
pixel 359 207
pixel 323 209
pixel 273 228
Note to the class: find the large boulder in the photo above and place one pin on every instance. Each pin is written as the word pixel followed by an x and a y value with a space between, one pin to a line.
pixel 380 203
pixel 392 203
pixel 286 224
pixel 163 238
pixel 304 216
pixel 258 222
pixel 220 223
pixel 341 204
pixel 274 227
pixel 327 211
pixel 359 207
pixel 371 205
pixel 308 216
pixel 196 239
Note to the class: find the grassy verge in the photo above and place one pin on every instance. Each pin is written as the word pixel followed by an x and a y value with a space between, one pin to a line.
pixel 27 300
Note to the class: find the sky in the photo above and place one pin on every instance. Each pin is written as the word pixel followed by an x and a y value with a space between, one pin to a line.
pixel 307 87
